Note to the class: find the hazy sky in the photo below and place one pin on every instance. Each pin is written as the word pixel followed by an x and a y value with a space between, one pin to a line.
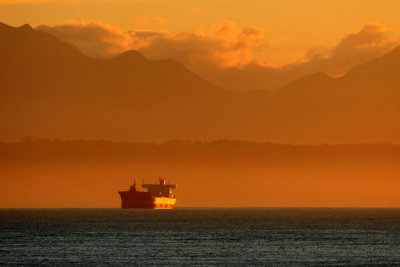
pixel 290 27
pixel 49 90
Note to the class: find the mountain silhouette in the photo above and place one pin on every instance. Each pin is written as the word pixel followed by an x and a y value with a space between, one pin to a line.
pixel 364 102
pixel 48 88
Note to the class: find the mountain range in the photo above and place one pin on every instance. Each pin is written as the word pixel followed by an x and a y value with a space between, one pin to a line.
pixel 48 88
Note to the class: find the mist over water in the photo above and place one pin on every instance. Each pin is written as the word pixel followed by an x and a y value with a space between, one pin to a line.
pixel 248 236
pixel 89 174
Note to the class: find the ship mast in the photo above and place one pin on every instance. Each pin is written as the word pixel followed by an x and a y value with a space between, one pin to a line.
pixel 133 187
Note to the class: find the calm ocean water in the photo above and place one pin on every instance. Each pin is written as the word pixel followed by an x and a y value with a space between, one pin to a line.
pixel 275 237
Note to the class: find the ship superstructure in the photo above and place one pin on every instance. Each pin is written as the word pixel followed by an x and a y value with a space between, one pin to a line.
pixel 158 196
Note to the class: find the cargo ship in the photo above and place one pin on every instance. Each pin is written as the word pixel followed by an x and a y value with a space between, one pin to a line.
pixel 158 196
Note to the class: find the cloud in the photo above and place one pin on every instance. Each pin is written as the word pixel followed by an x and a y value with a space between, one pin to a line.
pixel 224 44
pixel 150 21
pixel 94 39
pixel 373 40
pixel 197 11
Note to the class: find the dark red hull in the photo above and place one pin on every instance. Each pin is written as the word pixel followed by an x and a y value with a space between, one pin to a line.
pixel 144 200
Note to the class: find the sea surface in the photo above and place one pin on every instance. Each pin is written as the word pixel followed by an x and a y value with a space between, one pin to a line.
pixel 233 237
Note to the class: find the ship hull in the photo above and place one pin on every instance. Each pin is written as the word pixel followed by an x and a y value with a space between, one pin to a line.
pixel 144 200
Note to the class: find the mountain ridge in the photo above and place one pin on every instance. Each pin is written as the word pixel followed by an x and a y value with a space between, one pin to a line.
pixel 48 88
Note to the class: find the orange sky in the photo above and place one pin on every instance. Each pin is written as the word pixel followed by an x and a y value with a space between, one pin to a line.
pixel 287 30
